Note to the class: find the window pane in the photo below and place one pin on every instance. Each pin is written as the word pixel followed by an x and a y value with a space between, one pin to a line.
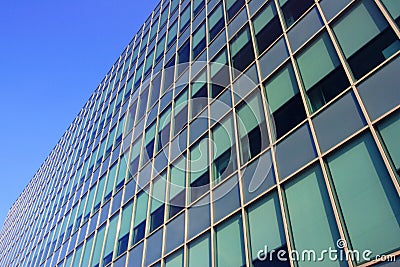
pixel 266 229
pixel 185 18
pixel 311 215
pixel 267 27
pixel 175 260
pixel 199 252
pixel 293 9
pixel 233 7
pixel 330 126
pixel 224 156
pixel 110 240
pixel 199 216
pixel 216 21
pixel 199 173
pixel 285 101
pixel 226 198
pixel 365 37
pixel 175 233
pixel 295 151
pixel 390 132
pixel 258 176
pixel 394 9
pixel 380 92
pixel 253 135
pixel 242 50
pixel 229 243
pixel 153 247
pixel 98 246
pixel 199 40
pixel 363 184
pixel 322 74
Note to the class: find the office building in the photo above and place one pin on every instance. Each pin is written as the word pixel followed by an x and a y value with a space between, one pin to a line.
pixel 229 133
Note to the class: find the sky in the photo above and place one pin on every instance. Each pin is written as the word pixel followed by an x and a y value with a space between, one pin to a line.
pixel 53 54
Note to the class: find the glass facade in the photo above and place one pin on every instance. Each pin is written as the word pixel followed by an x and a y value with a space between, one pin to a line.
pixel 229 133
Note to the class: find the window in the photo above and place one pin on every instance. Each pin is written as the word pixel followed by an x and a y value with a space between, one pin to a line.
pixel 199 40
pixel 253 137
pixel 323 76
pixel 219 73
pixel 160 48
pixel 365 37
pixel 98 246
pixel 310 214
pixel 257 177
pixel 199 93
pixel 224 156
pixel 390 132
pixel 175 260
pixel 266 228
pixel 134 158
pixel 199 173
pixel 185 19
pixel 330 126
pixel 394 9
pixel 284 100
pixel 184 55
pixel 267 27
pixel 293 9
pixel 87 252
pixel 233 7
pixel 164 126
pixel 175 233
pixel 226 198
pixel 200 251
pixel 157 201
pixel 197 6
pixel 149 140
pixel 177 193
pixel 199 217
pixel 229 243
pixel 216 22
pixel 242 53
pixel 140 217
pixel 172 33
pixel 110 241
pixel 123 236
pixel 181 112
pixel 153 247
pixel 364 188
pixel 379 92
pixel 295 151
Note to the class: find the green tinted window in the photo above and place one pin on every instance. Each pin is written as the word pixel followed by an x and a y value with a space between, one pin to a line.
pixel 311 216
pixel 199 252
pixel 322 49
pixel 390 132
pixel 229 243
pixel 141 208
pixel 370 205
pixel 265 225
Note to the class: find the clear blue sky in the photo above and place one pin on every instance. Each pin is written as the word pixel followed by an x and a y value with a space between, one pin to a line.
pixel 53 54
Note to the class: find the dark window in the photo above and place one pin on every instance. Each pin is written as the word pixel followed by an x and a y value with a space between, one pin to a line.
pixel 293 9
pixel 138 232
pixel 219 73
pixel 267 27
pixel 323 75
pixel 107 259
pixel 285 101
pixel 242 50
pixel 233 7
pixel 157 218
pixel 122 244
pixel 216 22
pixel 177 203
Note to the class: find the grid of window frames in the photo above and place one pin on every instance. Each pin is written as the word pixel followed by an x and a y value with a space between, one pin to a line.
pixel 323 118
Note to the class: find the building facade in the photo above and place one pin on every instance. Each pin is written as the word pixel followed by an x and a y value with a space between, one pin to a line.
pixel 229 133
